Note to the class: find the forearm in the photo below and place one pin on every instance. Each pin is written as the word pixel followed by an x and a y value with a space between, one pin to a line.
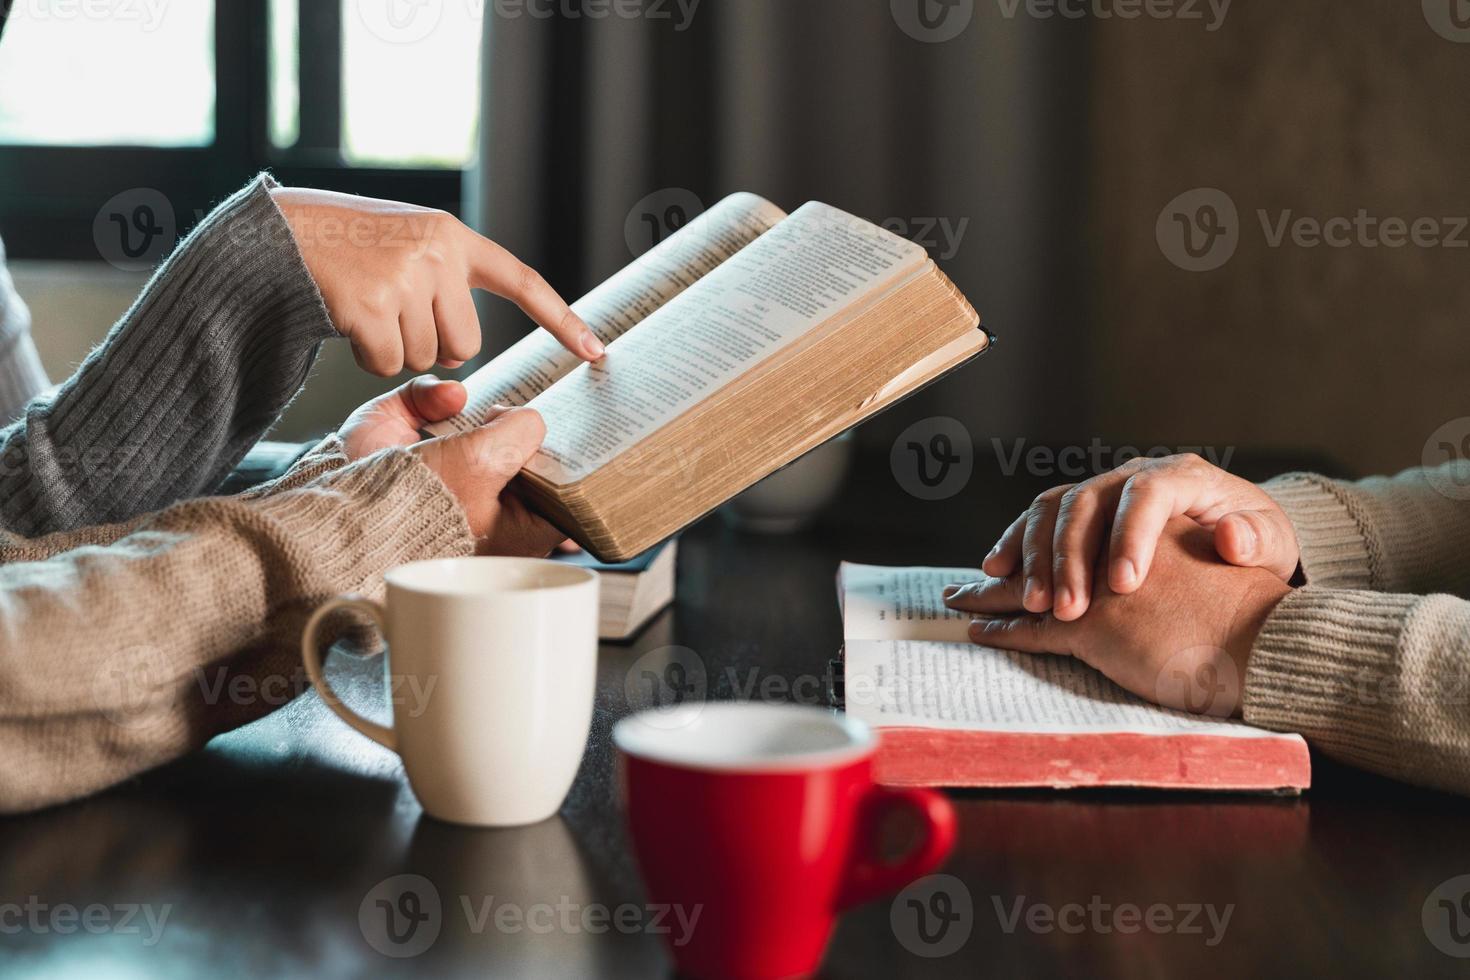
pixel 1377 680
pixel 195 372
pixel 1408 533
pixel 113 650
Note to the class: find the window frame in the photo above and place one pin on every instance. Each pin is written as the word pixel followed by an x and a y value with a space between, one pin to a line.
pixel 49 195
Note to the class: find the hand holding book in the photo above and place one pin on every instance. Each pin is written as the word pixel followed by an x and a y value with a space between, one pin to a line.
pixel 741 342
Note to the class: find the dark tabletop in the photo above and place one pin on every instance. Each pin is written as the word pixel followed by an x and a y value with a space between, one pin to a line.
pixel 262 849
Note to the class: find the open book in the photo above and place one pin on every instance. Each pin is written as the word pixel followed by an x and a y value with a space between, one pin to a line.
pixel 951 713
pixel 739 343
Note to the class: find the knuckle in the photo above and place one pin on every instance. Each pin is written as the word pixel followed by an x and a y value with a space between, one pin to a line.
pixel 1048 499
pixel 1076 497
pixel 1133 466
pixel 379 299
pixel 528 280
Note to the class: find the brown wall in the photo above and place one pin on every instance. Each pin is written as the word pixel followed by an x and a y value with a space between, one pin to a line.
pixel 1323 107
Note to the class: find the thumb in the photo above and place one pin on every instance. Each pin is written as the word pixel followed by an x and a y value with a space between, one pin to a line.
pixel 423 400
pixel 476 465
pixel 1258 539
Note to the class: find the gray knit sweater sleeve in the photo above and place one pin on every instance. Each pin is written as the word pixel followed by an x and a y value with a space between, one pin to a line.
pixel 217 344
pixel 1371 661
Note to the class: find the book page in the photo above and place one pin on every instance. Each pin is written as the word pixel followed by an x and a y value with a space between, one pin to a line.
pixel 536 361
pixel 769 295
pixel 906 683
pixel 880 602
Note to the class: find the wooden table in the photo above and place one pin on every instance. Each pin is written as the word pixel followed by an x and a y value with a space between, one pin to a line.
pixel 263 848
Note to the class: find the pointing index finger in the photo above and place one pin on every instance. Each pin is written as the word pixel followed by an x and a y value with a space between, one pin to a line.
pixel 494 268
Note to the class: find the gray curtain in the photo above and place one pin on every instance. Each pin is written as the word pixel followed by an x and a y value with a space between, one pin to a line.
pixel 973 146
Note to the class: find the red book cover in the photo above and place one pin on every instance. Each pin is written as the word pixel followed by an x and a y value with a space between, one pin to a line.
pixel 950 713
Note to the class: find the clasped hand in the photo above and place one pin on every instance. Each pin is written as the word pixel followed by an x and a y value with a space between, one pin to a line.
pixel 1159 574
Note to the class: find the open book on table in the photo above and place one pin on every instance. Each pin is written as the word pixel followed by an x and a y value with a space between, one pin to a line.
pixel 951 713
pixel 742 341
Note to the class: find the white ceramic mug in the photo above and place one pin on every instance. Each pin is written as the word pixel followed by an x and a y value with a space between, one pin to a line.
pixel 506 649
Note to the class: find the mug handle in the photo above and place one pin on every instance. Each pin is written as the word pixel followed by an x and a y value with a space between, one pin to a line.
pixel 869 877
pixel 311 656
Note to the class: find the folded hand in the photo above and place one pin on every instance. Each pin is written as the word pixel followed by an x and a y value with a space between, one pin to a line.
pixel 1055 545
pixel 1182 640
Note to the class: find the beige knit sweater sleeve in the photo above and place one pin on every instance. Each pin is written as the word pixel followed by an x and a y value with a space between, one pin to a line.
pixel 123 647
pixel 1371 660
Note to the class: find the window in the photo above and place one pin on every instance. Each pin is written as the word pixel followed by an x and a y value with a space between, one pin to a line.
pixel 191 99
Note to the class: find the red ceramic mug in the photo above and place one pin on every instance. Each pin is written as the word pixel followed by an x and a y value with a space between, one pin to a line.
pixel 762 820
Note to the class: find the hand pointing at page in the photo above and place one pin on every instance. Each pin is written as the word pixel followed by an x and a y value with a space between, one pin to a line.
pixel 396 279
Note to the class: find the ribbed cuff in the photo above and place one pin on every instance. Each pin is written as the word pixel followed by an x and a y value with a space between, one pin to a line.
pixel 1334 551
pixel 21 376
pixel 397 510
pixel 1326 665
